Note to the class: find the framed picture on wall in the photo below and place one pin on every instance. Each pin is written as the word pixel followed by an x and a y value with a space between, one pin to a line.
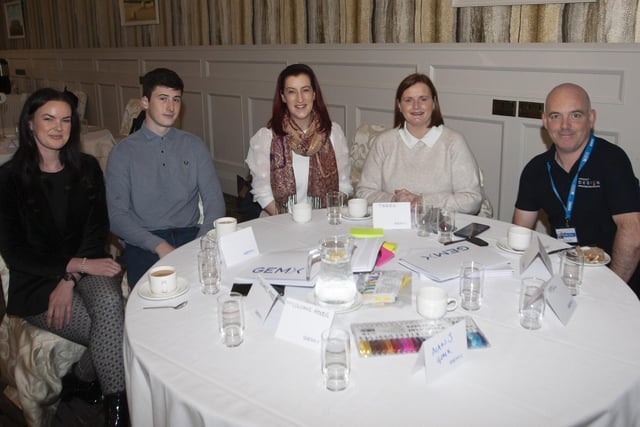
pixel 139 12
pixel 15 20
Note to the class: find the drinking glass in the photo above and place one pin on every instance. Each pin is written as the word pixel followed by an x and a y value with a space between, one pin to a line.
pixel 209 267
pixel 531 303
pixel 421 218
pixel 207 242
pixel 336 358
pixel 571 268
pixel 231 319
pixel 335 202
pixel 446 224
pixel 471 285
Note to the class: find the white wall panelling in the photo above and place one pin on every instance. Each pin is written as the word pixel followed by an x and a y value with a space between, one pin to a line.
pixel 228 92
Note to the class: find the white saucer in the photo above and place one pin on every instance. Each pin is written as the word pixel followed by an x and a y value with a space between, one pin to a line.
pixel 356 304
pixel 345 215
pixel 145 292
pixel 504 245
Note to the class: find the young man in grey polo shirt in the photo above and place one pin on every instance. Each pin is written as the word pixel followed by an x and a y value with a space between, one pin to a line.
pixel 155 177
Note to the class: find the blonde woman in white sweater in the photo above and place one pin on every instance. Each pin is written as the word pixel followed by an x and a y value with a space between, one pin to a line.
pixel 420 156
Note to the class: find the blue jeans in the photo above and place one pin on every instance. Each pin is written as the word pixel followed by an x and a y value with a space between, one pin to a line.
pixel 139 260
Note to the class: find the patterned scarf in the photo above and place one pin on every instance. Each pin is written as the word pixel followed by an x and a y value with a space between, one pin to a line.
pixel 323 169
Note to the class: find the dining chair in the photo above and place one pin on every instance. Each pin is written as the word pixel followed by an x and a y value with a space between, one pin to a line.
pixel 32 363
pixel 131 111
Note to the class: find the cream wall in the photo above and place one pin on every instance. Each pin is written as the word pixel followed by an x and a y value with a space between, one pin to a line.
pixel 228 92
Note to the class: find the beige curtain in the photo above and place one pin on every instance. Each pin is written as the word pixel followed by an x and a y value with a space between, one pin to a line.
pixel 96 24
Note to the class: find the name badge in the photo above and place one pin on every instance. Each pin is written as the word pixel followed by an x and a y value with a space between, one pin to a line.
pixel 567 235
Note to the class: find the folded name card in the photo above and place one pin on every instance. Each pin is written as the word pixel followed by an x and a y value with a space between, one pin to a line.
pixel 238 247
pixel 559 298
pixel 302 323
pixel 392 215
pixel 261 298
pixel 444 351
pixel 535 250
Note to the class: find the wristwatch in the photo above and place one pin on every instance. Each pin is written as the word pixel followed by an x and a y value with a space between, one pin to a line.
pixel 69 277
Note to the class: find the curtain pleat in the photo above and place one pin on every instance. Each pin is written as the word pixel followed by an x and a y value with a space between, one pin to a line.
pixel 63 24
pixel 495 24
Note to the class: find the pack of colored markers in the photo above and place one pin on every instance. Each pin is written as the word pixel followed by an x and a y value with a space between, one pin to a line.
pixel 406 336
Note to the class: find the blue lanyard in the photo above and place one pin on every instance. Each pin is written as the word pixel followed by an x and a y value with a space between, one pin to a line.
pixel 568 208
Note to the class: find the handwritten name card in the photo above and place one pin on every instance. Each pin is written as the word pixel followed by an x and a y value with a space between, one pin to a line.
pixel 302 323
pixel 445 351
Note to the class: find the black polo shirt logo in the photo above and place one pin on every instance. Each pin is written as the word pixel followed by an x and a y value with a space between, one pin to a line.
pixel 588 183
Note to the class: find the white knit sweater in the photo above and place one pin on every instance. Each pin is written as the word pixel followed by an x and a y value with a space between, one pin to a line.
pixel 446 173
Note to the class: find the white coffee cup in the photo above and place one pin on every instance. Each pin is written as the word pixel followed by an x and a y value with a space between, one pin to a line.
pixel 433 302
pixel 301 212
pixel 519 238
pixel 225 225
pixel 163 280
pixel 357 207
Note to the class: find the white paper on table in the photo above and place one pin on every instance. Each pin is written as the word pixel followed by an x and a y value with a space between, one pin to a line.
pixel 261 298
pixel 288 268
pixel 444 351
pixel 238 246
pixel 302 323
pixel 392 215
pixel 535 250
pixel 441 263
pixel 559 298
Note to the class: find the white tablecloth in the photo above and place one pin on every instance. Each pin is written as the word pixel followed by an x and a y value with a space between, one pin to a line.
pixel 179 374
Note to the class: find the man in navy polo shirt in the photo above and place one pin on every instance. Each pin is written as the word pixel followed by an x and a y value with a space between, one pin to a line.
pixel 585 185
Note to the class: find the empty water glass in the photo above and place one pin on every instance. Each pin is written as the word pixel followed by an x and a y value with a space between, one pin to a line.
pixel 421 218
pixel 336 358
pixel 231 319
pixel 471 285
pixel 532 303
pixel 209 268
pixel 571 268
pixel 446 224
pixel 335 202
pixel 207 242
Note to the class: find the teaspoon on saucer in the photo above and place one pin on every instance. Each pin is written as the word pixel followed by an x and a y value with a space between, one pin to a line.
pixel 175 307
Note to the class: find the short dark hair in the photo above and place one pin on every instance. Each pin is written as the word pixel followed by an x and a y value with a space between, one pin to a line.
pixel 161 77
pixel 406 83
pixel 279 108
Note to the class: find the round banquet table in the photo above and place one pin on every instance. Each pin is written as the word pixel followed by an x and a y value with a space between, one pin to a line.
pixel 178 372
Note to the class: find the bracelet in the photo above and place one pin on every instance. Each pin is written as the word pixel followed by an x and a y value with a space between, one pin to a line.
pixel 84 261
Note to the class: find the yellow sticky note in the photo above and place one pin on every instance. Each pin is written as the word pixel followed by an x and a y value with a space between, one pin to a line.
pixel 367 232
pixel 390 246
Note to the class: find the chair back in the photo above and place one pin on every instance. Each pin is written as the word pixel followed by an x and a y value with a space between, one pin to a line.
pixel 131 111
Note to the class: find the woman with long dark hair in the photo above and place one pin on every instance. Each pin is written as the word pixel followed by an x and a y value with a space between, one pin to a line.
pixel 53 231
pixel 301 154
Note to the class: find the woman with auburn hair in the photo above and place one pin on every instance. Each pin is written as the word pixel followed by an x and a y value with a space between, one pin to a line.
pixel 301 154
pixel 420 156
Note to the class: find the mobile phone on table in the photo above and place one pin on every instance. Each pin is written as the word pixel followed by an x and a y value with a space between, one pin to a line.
pixel 243 288
pixel 471 230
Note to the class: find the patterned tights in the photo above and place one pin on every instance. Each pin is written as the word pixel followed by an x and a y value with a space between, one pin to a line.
pixel 97 319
